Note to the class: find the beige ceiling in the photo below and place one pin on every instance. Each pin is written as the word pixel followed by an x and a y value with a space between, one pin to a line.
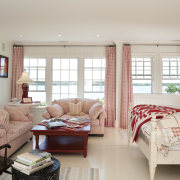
pixel 81 20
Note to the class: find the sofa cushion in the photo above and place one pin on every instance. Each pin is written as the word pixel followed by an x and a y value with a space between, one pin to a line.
pixel 87 103
pixel 75 109
pixel 2 134
pixel 64 103
pixel 55 110
pixel 4 121
pixel 19 128
pixel 95 110
pixel 18 113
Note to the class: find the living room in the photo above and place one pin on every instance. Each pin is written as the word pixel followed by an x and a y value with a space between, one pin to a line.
pixel 81 50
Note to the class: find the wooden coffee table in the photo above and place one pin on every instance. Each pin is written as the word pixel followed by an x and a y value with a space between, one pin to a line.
pixel 60 140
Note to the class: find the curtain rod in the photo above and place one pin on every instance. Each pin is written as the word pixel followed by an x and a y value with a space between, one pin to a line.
pixel 155 45
pixel 15 45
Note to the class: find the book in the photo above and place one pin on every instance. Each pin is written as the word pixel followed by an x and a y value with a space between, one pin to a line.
pixel 57 119
pixel 19 164
pixel 77 120
pixel 29 172
pixel 55 124
pixel 32 157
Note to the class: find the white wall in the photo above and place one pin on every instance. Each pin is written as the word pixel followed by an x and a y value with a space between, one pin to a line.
pixel 5 83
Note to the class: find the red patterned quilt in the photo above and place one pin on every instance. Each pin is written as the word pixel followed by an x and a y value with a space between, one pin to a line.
pixel 143 113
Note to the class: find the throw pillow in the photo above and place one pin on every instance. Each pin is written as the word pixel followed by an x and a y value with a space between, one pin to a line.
pixel 64 103
pixel 95 110
pixel 46 115
pixel 18 113
pixel 75 109
pixel 4 121
pixel 55 110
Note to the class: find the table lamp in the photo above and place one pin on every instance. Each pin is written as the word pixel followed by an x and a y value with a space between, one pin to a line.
pixel 25 80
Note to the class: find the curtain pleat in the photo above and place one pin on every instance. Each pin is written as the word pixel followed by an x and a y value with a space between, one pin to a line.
pixel 17 69
pixel 110 87
pixel 126 86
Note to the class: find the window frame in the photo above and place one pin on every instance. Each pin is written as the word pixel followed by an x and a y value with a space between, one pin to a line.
pixel 167 55
pixel 60 71
pixel 49 74
pixel 92 79
pixel 153 74
pixel 36 68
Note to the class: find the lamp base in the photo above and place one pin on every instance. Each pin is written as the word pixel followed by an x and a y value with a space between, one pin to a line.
pixel 25 88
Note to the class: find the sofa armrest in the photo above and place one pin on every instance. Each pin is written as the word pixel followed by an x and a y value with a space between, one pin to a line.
pixel 30 116
pixel 102 117
pixel 46 115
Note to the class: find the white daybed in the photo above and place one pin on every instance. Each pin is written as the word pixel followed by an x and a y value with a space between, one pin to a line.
pixel 150 149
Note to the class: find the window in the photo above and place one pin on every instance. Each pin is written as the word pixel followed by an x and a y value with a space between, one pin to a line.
pixel 171 74
pixel 36 69
pixel 64 78
pixel 142 74
pixel 67 78
pixel 94 77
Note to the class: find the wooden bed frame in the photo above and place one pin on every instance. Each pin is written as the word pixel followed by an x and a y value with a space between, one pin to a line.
pixel 150 150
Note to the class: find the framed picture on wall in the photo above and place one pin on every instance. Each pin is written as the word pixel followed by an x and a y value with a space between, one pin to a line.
pixel 4 66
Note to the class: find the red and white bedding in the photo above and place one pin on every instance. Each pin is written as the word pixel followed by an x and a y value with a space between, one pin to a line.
pixel 168 124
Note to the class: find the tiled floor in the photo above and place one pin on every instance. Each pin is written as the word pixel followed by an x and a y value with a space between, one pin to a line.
pixel 115 160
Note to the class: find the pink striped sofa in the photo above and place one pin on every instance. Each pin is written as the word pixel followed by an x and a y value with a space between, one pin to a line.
pixel 97 124
pixel 13 132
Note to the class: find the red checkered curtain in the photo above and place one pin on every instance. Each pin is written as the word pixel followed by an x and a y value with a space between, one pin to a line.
pixel 126 86
pixel 17 69
pixel 110 87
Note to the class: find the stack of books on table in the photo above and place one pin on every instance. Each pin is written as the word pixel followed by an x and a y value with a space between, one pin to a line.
pixel 32 161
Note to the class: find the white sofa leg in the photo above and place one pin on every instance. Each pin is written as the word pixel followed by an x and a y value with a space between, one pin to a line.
pixel 152 171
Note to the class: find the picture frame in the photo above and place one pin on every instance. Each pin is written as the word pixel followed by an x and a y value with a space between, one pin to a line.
pixel 27 100
pixel 4 66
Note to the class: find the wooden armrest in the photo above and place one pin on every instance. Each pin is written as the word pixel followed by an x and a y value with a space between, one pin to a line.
pixel 5 146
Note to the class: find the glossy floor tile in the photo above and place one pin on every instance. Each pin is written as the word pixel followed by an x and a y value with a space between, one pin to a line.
pixel 114 158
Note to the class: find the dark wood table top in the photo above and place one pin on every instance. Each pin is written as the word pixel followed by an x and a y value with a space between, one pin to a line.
pixel 44 128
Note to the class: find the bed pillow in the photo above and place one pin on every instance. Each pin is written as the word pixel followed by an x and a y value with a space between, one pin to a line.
pixel 95 110
pixel 4 121
pixel 75 109
pixel 18 113
pixel 55 110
